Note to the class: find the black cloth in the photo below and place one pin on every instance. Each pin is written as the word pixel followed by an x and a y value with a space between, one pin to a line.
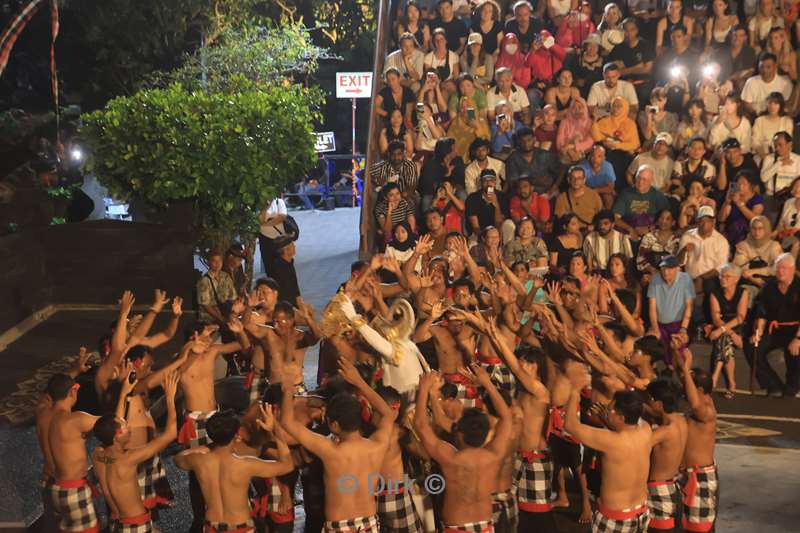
pixel 490 43
pixel 389 104
pixel 525 39
pixel 748 163
pixel 434 172
pixel 631 56
pixel 477 206
pixel 771 304
pixel 564 254
pixel 284 274
pixel 539 522
pixel 727 308
pixel 455 30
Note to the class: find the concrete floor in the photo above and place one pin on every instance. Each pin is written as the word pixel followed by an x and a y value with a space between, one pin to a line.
pixel 758 450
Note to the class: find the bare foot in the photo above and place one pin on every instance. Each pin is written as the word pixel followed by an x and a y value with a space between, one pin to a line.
pixel 586 515
pixel 561 502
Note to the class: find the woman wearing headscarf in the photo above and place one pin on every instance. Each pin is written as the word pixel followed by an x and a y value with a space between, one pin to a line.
pixel 618 133
pixel 575 133
pixel 511 56
pixel 757 253
pixel 468 124
pixel 401 247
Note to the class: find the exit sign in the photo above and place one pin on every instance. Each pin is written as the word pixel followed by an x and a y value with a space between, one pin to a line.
pixel 353 84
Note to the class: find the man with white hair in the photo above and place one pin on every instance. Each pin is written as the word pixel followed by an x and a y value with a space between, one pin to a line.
pixel 777 326
pixel 509 91
pixel 636 207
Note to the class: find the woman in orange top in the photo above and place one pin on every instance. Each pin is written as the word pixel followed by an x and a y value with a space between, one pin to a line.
pixel 618 133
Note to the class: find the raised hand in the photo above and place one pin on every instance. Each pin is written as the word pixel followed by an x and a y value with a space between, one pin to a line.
pixel 349 372
pixel 266 420
pixel 376 262
pixel 554 292
pixel 253 299
pixel 235 325
pixel 391 264
pixel 82 362
pixel 126 302
pixel 171 385
pixel 159 300
pixel 480 375
pixel 424 245
pixel 428 379
pixel 238 306
pixel 305 310
pixel 177 306
pixel 437 309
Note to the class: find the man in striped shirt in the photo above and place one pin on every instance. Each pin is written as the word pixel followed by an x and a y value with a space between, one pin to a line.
pixel 605 241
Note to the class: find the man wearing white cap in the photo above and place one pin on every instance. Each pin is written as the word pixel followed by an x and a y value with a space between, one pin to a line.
pixel 658 158
pixel 703 249
pixel 479 65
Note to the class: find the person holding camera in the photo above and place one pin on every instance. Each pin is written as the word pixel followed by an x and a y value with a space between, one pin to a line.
pixel 655 120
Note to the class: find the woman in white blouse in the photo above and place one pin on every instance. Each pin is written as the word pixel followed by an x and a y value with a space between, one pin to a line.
pixel 766 18
pixel 731 122
pixel 768 124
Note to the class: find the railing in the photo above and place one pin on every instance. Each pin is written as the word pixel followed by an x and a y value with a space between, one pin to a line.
pixel 367 226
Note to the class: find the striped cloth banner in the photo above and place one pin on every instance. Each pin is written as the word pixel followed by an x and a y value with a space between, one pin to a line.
pixel 14 29
pixel 53 72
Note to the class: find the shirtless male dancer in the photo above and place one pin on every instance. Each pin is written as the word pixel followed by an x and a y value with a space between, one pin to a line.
pixel 71 493
pixel 468 501
pixel 200 403
pixel 350 462
pixel 286 343
pixel 118 461
pixel 44 415
pixel 533 466
pixel 626 446
pixel 700 483
pixel 224 476
pixel 669 443
pixel 396 511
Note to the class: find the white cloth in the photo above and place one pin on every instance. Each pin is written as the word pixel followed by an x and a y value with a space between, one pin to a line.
pixel 600 96
pixel 765 129
pixel 472 174
pixel 742 133
pixel 433 61
pixel 756 90
pixel 516 97
pixel 395 59
pixel 790 218
pixel 708 254
pixel 277 207
pixel 777 175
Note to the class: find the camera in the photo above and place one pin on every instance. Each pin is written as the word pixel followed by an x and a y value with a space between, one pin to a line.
pixel 676 71
pixel 420 107
pixel 501 117
pixel 132 376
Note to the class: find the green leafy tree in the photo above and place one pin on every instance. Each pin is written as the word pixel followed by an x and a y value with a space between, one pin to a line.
pixel 224 133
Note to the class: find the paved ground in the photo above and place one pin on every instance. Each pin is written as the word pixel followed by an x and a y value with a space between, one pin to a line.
pixel 758 443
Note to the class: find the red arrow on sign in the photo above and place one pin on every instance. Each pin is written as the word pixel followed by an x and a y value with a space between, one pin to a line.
pixel 356 91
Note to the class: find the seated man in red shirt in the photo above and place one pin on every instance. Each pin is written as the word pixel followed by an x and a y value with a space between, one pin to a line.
pixel 525 203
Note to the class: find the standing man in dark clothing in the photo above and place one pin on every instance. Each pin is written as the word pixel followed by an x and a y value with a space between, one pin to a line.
pixel 445 165
pixel 454 29
pixel 233 265
pixel 777 326
pixel 282 271
pixel 483 207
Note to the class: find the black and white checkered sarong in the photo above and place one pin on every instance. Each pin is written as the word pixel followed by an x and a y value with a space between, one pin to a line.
pixel 700 487
pixel 626 521
pixel 73 501
pixel 533 477
pixel 502 377
pixel 222 527
pixel 362 524
pixel 505 513
pixel 154 484
pixel 485 526
pixel 467 393
pixel 139 524
pixel 258 386
pixel 663 499
pixel 396 511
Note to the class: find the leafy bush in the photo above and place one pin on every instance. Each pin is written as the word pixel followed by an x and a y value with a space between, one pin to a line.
pixel 230 153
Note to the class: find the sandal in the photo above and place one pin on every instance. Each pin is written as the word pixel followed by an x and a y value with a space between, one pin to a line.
pixel 728 394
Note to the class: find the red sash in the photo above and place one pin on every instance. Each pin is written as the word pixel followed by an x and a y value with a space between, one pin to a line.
pixel 620 515
pixel 188 431
pixel 136 520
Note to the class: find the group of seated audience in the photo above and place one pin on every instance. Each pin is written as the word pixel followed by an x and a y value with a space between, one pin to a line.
pixel 561 135
pixel 550 254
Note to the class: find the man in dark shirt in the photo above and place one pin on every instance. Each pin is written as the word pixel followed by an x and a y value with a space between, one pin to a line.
pixel 635 58
pixel 454 29
pixel 482 207
pixel 679 55
pixel 445 165
pixel 734 161
pixel 737 61
pixel 776 326
pixel 523 162
pixel 284 273
pixel 523 25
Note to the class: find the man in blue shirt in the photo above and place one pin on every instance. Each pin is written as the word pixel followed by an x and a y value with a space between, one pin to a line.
pixel 600 174
pixel 670 297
